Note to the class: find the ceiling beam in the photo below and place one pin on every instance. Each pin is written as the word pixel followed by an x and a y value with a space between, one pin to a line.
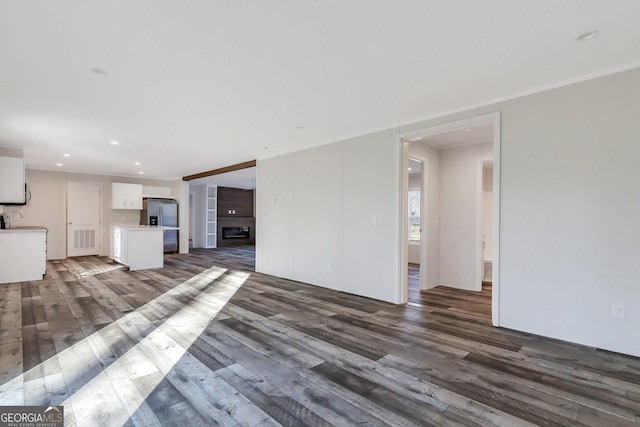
pixel 236 167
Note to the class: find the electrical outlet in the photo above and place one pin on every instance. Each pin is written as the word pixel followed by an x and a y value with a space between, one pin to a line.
pixel 618 311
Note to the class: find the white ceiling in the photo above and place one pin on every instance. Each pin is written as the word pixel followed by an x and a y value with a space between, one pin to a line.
pixel 188 86
pixel 449 139
pixel 459 137
pixel 415 166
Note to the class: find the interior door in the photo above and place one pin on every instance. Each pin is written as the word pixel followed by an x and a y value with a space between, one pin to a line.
pixel 83 219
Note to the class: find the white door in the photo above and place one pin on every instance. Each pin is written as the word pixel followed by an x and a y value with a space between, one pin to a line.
pixel 83 219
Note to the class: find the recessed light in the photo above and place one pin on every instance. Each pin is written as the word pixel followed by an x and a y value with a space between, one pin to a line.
pixel 99 71
pixel 67 155
pixel 468 130
pixel 136 163
pixel 114 142
pixel 588 35
pixel 58 164
pixel 409 168
pixel 141 173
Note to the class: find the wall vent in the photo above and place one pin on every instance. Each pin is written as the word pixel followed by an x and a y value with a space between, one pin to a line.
pixel 84 239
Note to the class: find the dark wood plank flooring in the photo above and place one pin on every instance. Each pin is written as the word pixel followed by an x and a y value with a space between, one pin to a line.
pixel 207 341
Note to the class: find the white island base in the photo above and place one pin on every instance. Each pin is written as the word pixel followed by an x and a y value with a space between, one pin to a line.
pixel 137 247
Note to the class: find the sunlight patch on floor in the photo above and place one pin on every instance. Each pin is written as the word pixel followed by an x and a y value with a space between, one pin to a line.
pixel 104 269
pixel 96 394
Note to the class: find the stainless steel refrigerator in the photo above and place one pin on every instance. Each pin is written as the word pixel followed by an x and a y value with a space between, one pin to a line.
pixel 162 213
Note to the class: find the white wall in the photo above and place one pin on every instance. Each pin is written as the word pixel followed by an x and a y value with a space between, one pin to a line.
pixel 318 209
pixel 431 216
pixel 199 221
pixel 570 212
pixel 487 178
pixel 181 191
pixel 274 216
pixel 48 206
pixel 459 215
pixel 330 216
pixel 372 215
pixel 415 181
pixel 487 224
pixel 487 212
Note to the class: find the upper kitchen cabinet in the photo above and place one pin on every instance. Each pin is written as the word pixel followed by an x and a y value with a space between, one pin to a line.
pixel 12 190
pixel 126 196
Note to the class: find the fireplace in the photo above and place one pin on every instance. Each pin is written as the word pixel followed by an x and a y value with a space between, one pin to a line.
pixel 235 232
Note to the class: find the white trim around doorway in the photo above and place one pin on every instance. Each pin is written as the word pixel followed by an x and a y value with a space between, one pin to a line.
pixel 403 140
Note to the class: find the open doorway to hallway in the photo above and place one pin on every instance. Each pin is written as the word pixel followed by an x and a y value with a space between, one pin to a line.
pixel 223 211
pixel 458 246
pixel 486 213
pixel 416 234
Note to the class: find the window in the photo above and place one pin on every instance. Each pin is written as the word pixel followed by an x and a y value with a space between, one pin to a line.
pixel 414 216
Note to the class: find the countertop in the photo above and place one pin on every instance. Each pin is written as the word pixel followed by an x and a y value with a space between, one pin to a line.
pixel 25 229
pixel 144 227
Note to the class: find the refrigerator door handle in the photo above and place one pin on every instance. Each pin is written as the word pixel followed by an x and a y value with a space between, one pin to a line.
pixel 160 215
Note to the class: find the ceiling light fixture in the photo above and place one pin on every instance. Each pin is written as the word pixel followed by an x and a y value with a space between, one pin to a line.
pixel 136 163
pixel 99 71
pixel 587 36
pixel 67 155
pixel 114 142
pixel 141 172
pixel 58 164
pixel 468 129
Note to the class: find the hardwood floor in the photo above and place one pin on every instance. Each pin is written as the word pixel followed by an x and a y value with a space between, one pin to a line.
pixel 206 341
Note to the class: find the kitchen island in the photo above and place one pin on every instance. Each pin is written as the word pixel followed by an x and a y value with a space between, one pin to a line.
pixel 138 246
pixel 23 254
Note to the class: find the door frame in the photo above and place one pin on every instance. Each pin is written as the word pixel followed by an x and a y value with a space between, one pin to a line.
pixel 403 140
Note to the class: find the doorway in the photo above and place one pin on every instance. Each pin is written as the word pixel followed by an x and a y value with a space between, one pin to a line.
pixel 418 230
pixel 83 219
pixel 455 241
pixel 486 218
pixel 223 212
pixel 192 217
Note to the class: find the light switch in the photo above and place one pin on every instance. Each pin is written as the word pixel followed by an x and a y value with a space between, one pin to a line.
pixel 618 311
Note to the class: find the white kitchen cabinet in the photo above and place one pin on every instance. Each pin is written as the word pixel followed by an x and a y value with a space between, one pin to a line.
pixel 126 196
pixel 23 254
pixel 138 247
pixel 11 176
